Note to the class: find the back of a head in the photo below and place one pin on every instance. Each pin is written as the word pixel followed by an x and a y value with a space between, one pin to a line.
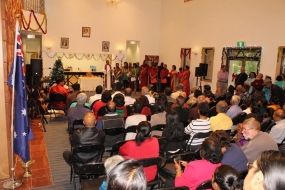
pixel 180 100
pixel 143 132
pixel 179 86
pixel 272 165
pixel 211 150
pixel 106 96
pixel 235 99
pixel 201 99
pixel 81 98
pixel 274 100
pixel 143 100
pixel 207 87
pixel 226 178
pixel 89 120
pixel 222 107
pixel 231 89
pixel 118 86
pixel 172 123
pixel 222 137
pixel 197 93
pixel 59 80
pixel 112 162
pixel 162 98
pixel 253 123
pixel 203 108
pixel 119 100
pixel 167 91
pixel 279 78
pixel 99 89
pixel 137 107
pixel 127 175
pixel 128 92
pixel 145 90
pixel 160 107
pixel 76 87
pixel 280 113
pixel 111 106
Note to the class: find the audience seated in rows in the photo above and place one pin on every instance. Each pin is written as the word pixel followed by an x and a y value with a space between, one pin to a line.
pixel 109 164
pixel 198 171
pixel 183 113
pixel 173 131
pixel 226 178
pixel 193 100
pixel 145 91
pixel 118 88
pixel 232 153
pixel 144 146
pixel 234 109
pixel 249 80
pixel 77 112
pixel 121 109
pixel 199 125
pixel 128 99
pixel 245 93
pixel 59 88
pixel 221 121
pixel 258 141
pixel 72 97
pixel 179 89
pixel 106 97
pixel 193 112
pixel 277 132
pixel 86 136
pixel 266 172
pixel 97 95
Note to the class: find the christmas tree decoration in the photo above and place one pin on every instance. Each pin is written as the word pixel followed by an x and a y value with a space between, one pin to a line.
pixel 57 71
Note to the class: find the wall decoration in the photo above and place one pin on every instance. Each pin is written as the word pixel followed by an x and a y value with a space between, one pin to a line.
pixel 105 46
pixel 86 31
pixel 64 43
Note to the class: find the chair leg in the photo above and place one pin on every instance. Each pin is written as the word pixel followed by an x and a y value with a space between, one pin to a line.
pixel 70 175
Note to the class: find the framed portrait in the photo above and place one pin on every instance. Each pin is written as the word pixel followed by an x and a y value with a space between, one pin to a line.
pixel 86 31
pixel 64 43
pixel 105 46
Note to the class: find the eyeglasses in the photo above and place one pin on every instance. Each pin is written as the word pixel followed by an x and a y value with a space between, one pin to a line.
pixel 250 166
pixel 244 129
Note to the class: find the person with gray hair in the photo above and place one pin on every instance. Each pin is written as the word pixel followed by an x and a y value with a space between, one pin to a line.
pixel 109 164
pixel 77 112
pixel 145 91
pixel 221 121
pixel 193 113
pixel 179 89
pixel 234 109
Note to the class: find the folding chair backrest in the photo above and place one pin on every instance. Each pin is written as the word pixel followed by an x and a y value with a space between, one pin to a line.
pixel 147 162
pixel 114 135
pixel 116 147
pixel 57 97
pixel 205 185
pixel 270 127
pixel 131 129
pixel 162 141
pixel 158 127
pixel 92 169
pixel 200 136
pixel 176 188
pixel 265 125
pixel 239 118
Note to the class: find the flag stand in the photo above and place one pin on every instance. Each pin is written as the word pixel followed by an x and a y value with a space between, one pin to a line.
pixel 12 183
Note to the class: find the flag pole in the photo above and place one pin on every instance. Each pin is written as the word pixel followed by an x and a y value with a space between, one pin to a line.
pixel 12 183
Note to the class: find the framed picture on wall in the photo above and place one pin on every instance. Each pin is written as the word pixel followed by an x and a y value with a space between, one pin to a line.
pixel 64 43
pixel 86 31
pixel 105 46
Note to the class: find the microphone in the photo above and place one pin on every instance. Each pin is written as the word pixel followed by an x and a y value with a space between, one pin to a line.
pixel 79 70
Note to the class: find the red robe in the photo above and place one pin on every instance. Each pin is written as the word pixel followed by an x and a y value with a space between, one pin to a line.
pixel 61 90
pixel 143 77
pixel 163 74
pixel 185 82
pixel 152 73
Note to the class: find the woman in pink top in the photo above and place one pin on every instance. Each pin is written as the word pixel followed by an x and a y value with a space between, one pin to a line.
pixel 198 171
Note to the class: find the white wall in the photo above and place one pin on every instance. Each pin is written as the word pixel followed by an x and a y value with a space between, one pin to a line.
pixel 130 20
pixel 219 23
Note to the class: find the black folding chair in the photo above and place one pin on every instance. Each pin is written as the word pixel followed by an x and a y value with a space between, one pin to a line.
pixel 265 125
pixel 243 106
pixel 162 141
pixel 54 98
pixel 198 136
pixel 116 147
pixel 212 112
pixel 205 185
pixel 239 118
pixel 147 162
pixel 78 122
pixel 84 154
pixel 113 135
pixel 89 175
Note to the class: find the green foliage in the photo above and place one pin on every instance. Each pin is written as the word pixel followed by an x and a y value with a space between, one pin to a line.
pixel 57 71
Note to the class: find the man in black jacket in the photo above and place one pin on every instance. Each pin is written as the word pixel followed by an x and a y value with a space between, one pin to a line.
pixel 86 136
pixel 241 78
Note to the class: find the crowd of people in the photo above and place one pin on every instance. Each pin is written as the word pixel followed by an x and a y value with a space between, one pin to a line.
pixel 227 151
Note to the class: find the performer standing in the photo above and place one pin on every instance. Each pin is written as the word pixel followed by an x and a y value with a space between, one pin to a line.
pixel 108 75
pixel 153 75
pixel 163 77
pixel 173 78
pixel 144 75
pixel 185 80
pixel 118 73
pixel 125 75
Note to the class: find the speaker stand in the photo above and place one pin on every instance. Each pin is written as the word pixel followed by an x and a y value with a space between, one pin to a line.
pixel 200 83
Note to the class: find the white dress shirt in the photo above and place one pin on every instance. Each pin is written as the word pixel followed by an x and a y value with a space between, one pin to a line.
pixel 129 100
pixel 94 98
pixel 150 99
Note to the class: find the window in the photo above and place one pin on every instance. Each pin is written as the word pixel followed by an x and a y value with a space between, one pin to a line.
pixel 280 66
pixel 185 55
pixel 207 56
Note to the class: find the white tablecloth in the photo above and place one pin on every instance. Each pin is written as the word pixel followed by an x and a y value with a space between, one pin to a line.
pixel 89 83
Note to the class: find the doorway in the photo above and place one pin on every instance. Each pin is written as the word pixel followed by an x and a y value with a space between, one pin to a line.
pixel 132 51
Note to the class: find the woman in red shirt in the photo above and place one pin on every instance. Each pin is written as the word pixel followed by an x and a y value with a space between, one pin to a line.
pixel 144 146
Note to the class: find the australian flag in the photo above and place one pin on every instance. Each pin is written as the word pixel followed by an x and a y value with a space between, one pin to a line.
pixel 22 129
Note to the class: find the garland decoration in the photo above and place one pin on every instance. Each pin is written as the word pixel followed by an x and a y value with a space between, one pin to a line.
pixel 28 23
pixel 80 56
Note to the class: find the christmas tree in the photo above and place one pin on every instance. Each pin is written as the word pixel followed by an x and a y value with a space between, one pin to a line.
pixel 57 71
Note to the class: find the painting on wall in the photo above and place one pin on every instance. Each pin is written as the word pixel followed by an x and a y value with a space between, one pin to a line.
pixel 86 31
pixel 64 43
pixel 105 46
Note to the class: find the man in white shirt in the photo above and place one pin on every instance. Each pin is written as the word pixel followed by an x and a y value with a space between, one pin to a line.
pixel 118 88
pixel 179 88
pixel 97 96
pixel 278 130
pixel 128 99
pixel 145 91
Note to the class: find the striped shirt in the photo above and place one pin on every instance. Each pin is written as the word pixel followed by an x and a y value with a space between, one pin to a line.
pixel 197 126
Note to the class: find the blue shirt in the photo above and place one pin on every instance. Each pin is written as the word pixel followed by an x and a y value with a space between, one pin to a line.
pixel 233 111
pixel 235 158
pixel 103 186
